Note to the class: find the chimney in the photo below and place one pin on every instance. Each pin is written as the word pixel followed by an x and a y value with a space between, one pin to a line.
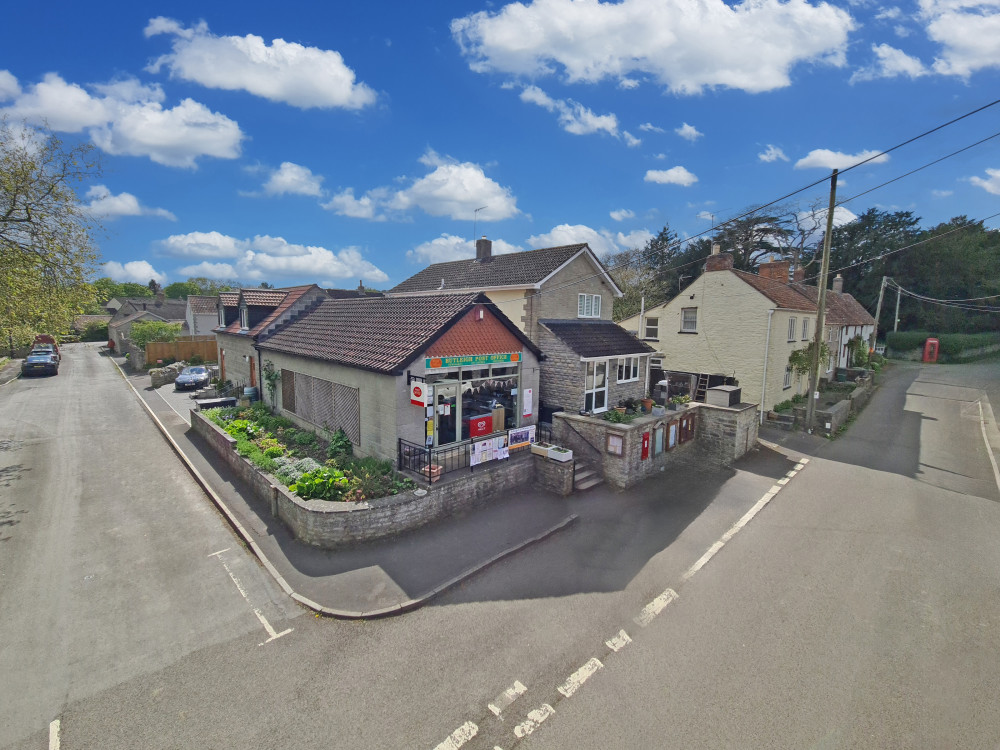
pixel 361 288
pixel 718 261
pixel 838 284
pixel 799 274
pixel 716 248
pixel 776 270
pixel 484 250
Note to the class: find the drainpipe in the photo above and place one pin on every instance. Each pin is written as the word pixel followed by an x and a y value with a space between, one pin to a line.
pixel 642 319
pixel 767 346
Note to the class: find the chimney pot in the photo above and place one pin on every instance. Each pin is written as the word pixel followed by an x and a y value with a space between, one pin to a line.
pixel 838 284
pixel 716 248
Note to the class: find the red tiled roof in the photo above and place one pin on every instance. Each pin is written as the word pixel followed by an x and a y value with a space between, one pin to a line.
pixel 281 300
pixel 781 293
pixel 202 305
pixel 383 334
pixel 263 297
pixel 472 335
pixel 230 299
pixel 841 308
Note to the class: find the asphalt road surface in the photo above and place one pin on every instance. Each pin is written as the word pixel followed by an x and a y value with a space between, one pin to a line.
pixel 859 606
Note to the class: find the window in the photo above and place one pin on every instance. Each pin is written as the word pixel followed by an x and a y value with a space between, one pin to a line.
pixel 658 440
pixel 588 306
pixel 832 338
pixel 791 328
pixel 652 329
pixel 244 318
pixel 628 369
pixel 805 329
pixel 689 320
pixel 222 315
pixel 788 377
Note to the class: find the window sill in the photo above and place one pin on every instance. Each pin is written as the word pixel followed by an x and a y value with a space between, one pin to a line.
pixel 695 333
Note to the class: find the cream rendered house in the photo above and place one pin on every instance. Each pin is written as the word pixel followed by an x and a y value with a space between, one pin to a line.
pixel 730 323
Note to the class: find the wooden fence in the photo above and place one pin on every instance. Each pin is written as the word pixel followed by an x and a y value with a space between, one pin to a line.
pixel 183 348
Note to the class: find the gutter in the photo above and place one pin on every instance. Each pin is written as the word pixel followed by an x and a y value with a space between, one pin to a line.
pixel 767 347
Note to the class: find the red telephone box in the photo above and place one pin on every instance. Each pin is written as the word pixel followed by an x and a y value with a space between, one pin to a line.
pixel 645 446
pixel 931 350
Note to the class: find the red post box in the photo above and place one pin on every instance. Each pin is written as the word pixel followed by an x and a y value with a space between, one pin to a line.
pixel 931 350
pixel 645 446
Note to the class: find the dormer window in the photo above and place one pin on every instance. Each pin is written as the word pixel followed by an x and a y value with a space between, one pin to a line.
pixel 222 315
pixel 244 318
pixel 588 306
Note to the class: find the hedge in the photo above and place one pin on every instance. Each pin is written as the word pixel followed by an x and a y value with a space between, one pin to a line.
pixel 951 344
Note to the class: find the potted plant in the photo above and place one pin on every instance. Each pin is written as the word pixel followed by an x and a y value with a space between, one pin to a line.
pixel 679 401
pixel 647 403
pixel 540 449
pixel 558 453
pixel 620 408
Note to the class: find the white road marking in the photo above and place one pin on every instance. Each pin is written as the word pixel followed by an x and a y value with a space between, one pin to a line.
pixel 989 451
pixel 535 718
pixel 505 698
pixel 214 554
pixel 263 620
pixel 783 481
pixel 459 737
pixel 579 677
pixel 651 610
pixel 54 733
pixel 618 642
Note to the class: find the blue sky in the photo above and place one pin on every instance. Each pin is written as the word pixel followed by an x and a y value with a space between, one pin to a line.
pixel 336 142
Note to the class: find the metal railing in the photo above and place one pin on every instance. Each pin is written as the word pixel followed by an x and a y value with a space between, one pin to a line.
pixel 434 463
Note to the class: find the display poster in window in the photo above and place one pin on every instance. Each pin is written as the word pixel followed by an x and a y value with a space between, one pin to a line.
pixel 500 448
pixel 615 444
pixel 526 403
pixel 521 437
pixel 481 452
pixel 673 435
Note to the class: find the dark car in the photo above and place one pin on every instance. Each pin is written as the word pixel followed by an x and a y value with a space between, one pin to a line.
pixel 40 364
pixel 192 377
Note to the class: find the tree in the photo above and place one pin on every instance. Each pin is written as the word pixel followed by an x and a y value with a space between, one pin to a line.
pixel 46 251
pixel 180 290
pixel 752 238
pixel 143 331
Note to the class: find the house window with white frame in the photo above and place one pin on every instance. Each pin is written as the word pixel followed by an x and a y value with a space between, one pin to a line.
pixel 792 328
pixel 588 306
pixel 652 328
pixel 628 369
pixel 689 320
pixel 222 316
pixel 805 329
pixel 244 318
pixel 595 394
pixel 788 377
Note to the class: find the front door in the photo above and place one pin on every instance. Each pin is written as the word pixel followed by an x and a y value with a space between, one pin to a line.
pixel 445 414
pixel 596 387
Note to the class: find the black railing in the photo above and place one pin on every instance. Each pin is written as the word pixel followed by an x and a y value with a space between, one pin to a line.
pixel 433 463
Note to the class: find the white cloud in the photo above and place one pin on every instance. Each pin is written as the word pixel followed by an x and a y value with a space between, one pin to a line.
pixel 630 140
pixel 104 204
pixel 687 45
pixel 448 247
pixel 573 116
pixel 651 128
pixel 688 132
pixel 295 179
pixel 628 83
pixel 636 238
pixel 772 153
pixel 901 31
pixel 672 176
pixel 822 157
pixel 9 87
pixel 264 257
pixel 942 193
pixel 282 71
pixel 890 63
pixel 622 213
pixel 345 204
pixel 601 241
pixel 707 216
pixel 127 117
pixel 968 32
pixel 991 184
pixel 137 271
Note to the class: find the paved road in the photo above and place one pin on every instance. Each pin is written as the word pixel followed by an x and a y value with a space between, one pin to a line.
pixel 119 623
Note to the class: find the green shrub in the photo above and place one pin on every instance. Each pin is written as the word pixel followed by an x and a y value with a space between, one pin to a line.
pixel 617 417
pixel 323 484
pixel 95 332
pixel 304 438
pixel 340 445
pixel 196 359
pixel 950 344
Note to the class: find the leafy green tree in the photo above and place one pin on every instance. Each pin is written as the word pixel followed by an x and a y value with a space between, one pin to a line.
pixel 144 331
pixel 180 290
pixel 754 237
pixel 46 250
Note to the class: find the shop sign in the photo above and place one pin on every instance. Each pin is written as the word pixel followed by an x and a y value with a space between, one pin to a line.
pixel 479 426
pixel 418 394
pixel 470 360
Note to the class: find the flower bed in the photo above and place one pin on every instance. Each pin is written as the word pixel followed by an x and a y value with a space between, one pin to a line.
pixel 311 467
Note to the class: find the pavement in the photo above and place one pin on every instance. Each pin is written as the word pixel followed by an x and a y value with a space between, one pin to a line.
pixel 10 371
pixel 385 577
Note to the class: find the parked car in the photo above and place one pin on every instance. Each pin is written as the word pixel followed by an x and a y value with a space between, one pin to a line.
pixel 49 349
pixel 40 364
pixel 44 339
pixel 192 377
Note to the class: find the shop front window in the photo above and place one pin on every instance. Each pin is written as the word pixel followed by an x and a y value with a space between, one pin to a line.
pixel 470 403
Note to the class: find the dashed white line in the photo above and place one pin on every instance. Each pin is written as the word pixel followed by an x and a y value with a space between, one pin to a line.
pixel 55 730
pixel 271 632
pixel 508 696
pixel 618 642
pixel 651 610
pixel 535 718
pixel 459 737
pixel 579 677
pixel 989 451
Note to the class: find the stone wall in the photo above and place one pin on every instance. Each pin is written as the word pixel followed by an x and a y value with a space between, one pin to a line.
pixel 554 476
pixel 336 524
pixel 725 433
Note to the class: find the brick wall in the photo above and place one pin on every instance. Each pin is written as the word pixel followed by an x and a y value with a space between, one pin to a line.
pixel 334 524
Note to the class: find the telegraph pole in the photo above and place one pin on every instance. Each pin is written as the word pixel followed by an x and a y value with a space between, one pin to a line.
pixel 878 312
pixel 895 322
pixel 821 308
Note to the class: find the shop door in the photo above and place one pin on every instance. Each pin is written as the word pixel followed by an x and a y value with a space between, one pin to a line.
pixel 445 414
pixel 596 387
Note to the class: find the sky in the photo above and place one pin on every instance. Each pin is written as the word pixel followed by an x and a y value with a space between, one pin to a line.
pixel 338 143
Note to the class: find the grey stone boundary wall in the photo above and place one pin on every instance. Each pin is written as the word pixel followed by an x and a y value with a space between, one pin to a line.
pixel 828 421
pixel 916 355
pixel 721 435
pixel 554 476
pixel 330 525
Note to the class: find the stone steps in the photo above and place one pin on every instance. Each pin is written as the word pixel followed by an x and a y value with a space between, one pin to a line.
pixel 584 477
